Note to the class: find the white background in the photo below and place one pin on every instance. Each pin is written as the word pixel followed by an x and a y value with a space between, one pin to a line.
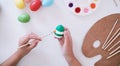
pixel 48 52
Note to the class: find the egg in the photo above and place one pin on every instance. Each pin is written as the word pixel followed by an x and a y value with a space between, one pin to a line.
pixel 46 3
pixel 59 32
pixel 27 1
pixel 35 5
pixel 20 4
pixel 24 18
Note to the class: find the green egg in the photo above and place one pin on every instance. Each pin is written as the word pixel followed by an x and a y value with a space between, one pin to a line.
pixel 24 18
pixel 59 31
pixel 58 34
pixel 60 28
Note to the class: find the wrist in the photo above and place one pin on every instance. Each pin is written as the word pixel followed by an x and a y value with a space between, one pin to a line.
pixel 69 58
pixel 73 61
pixel 13 59
pixel 21 52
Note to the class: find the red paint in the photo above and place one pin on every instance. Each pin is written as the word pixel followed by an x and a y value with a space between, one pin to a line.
pixel 77 10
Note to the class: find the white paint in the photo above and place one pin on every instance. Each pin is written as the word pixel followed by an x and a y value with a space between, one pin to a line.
pixel 96 44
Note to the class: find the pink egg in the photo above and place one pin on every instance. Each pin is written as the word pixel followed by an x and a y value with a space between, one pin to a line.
pixel 35 5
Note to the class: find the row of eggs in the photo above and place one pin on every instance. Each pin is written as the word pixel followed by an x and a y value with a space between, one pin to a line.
pixel 34 6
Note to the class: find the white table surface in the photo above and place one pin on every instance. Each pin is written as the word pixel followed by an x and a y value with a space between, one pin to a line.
pixel 48 52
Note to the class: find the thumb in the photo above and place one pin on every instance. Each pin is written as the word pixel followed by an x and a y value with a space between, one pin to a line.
pixel 34 44
pixel 67 37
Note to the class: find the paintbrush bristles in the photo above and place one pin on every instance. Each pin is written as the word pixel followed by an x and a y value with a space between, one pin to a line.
pixel 47 34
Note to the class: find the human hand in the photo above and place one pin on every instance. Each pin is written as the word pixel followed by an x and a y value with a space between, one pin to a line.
pixel 31 38
pixel 22 51
pixel 66 45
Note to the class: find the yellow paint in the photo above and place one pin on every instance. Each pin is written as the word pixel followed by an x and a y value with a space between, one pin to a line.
pixel 20 4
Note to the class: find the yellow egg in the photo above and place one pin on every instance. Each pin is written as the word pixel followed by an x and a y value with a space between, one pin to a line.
pixel 20 4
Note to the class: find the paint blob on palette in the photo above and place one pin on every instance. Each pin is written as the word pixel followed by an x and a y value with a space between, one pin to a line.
pixel 82 7
pixel 104 39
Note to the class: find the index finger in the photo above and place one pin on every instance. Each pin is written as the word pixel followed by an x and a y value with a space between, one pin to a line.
pixel 27 38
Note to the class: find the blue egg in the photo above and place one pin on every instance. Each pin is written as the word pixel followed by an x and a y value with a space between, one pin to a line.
pixel 46 3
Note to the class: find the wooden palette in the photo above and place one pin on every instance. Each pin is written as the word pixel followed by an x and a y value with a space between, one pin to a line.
pixel 100 31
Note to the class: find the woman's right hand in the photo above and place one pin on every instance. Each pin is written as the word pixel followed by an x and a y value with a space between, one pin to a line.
pixel 66 45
